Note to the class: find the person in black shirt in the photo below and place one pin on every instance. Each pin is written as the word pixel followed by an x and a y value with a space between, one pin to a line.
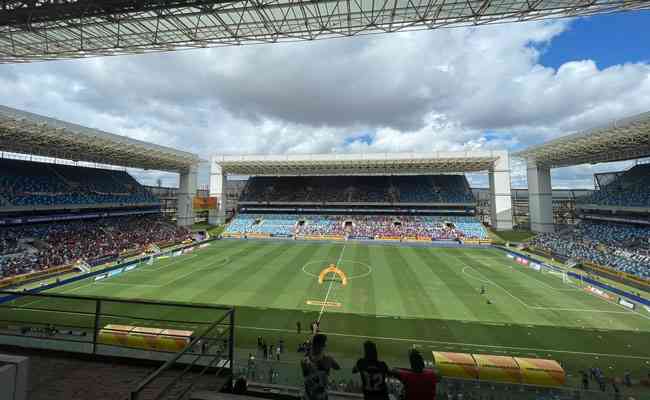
pixel 373 373
pixel 316 368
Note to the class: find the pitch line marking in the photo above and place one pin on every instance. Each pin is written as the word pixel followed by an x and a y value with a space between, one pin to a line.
pixel 451 343
pixel 100 283
pixel 499 286
pixel 539 307
pixel 327 295
pixel 152 268
pixel 571 289
pixel 207 267
pixel 464 271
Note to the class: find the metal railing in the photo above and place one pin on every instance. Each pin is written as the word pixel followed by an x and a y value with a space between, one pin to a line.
pixel 285 377
pixel 73 323
pixel 202 361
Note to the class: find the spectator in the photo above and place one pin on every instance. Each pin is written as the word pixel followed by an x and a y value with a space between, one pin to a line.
pixel 627 378
pixel 419 383
pixel 585 380
pixel 64 243
pixel 316 368
pixel 373 373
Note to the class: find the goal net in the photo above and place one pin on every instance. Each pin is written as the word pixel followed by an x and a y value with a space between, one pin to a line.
pixel 564 276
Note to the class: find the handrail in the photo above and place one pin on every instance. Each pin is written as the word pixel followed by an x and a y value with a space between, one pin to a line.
pixel 115 300
pixel 134 394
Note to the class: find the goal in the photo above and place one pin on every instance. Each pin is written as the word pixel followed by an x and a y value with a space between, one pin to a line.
pixel 566 278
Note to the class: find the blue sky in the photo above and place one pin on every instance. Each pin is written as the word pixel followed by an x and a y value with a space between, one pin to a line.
pixel 607 39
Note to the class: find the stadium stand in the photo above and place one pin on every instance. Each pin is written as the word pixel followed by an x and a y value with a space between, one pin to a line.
pixel 360 226
pixel 430 194
pixel 31 248
pixel 624 247
pixel 32 184
pixel 629 189
pixel 443 189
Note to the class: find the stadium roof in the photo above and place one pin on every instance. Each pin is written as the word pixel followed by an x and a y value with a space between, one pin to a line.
pixel 358 164
pixel 51 29
pixel 24 132
pixel 623 139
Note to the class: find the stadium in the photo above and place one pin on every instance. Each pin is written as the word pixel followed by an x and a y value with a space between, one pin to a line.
pixel 112 289
pixel 386 247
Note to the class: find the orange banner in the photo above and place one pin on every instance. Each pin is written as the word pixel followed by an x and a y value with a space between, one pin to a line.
pixel 205 203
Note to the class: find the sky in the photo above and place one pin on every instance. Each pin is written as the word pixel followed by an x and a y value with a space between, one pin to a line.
pixel 492 87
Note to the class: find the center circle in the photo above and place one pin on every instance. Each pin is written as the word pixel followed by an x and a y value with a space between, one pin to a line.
pixel 322 264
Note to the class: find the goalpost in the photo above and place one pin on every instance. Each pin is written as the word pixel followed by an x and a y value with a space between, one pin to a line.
pixel 564 275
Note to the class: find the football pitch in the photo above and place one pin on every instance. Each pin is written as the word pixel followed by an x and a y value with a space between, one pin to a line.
pixel 399 296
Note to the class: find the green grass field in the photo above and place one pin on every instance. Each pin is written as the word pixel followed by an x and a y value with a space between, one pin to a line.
pixel 399 296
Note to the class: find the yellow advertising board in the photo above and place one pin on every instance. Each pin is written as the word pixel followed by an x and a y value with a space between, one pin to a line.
pixel 531 371
pixel 497 368
pixel 455 365
pixel 258 235
pixel 392 238
pixel 144 338
pixel 535 371
pixel 320 237
pixel 13 280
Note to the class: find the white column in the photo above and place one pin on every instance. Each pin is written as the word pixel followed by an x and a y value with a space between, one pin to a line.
pixel 500 191
pixel 218 182
pixel 186 193
pixel 540 197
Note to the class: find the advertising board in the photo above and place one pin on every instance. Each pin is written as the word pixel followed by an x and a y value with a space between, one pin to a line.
pixel 626 303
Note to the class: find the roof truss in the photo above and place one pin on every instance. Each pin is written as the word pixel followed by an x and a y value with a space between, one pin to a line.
pixel 623 139
pixel 358 164
pixel 32 30
pixel 23 132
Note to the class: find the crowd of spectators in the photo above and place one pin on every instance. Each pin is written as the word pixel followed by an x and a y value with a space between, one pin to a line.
pixel 34 184
pixel 31 248
pixel 360 226
pixel 629 189
pixel 359 189
pixel 625 247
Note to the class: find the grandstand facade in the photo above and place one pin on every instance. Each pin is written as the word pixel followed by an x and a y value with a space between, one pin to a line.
pixel 625 139
pixel 422 197
pixel 40 187
pixel 67 200
pixel 612 236
pixel 565 204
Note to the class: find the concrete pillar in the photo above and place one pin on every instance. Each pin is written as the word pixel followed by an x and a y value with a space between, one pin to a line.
pixel 218 182
pixel 540 198
pixel 186 194
pixel 499 175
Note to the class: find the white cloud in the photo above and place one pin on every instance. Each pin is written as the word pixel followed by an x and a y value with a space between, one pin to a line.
pixel 434 90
